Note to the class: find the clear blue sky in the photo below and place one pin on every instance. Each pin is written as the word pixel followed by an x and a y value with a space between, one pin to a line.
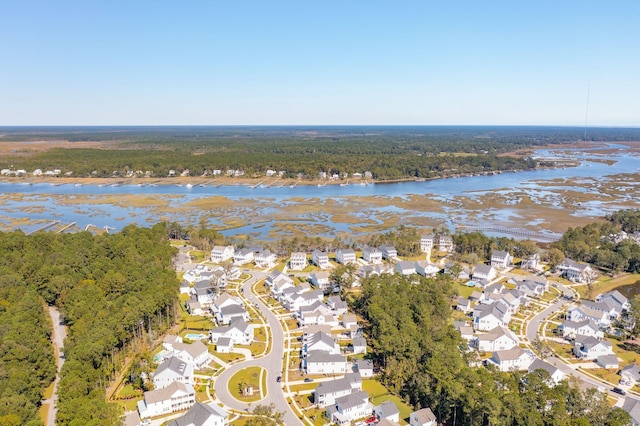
pixel 324 62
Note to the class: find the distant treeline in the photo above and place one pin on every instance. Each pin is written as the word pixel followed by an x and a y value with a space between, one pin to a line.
pixel 387 152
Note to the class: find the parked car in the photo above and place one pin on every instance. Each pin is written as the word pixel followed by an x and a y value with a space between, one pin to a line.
pixel 307 380
pixel 279 379
pixel 619 391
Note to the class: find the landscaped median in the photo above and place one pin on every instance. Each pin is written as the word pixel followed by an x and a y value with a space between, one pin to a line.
pixel 248 384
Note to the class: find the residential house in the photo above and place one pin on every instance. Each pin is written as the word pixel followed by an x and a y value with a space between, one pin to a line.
pixel 555 373
pixel 204 292
pixel 194 307
pixel 294 301
pixel 346 256
pixel 220 254
pixel 501 259
pixel 532 288
pixel 320 316
pixel 445 243
pixel 588 347
pixel 298 261
pixel 201 414
pixel 320 342
pixel 173 370
pixel 580 313
pixel 349 320
pixel 195 353
pixel 367 271
pixel 322 362
pixel 321 280
pixel 608 361
pixel 516 359
pixel 389 252
pixel 229 313
pixel 484 273
pixel 278 282
pixel 387 410
pixel 531 263
pixel 630 375
pixel 574 271
pixel 320 259
pixel 238 331
pixel 609 308
pixel 424 417
pixel 497 339
pixel 265 259
pixel 349 408
pixel 426 269
pixel 426 242
pixel 327 392
pixel 364 367
pixel 372 255
pixel 337 305
pixel 224 345
pixel 489 316
pixel 587 327
pixel 615 300
pixel 464 305
pixel 174 397
pixel 359 345
pixel 632 406
pixel 243 256
pixel 406 267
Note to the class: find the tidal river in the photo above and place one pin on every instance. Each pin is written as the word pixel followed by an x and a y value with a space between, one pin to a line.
pixel 544 201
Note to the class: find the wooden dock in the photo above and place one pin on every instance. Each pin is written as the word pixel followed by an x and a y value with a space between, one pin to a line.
pixel 519 232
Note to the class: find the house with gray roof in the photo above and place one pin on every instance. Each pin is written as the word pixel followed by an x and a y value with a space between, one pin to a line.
pixel 169 399
pixel 350 408
pixel 424 417
pixel 173 370
pixel 630 374
pixel 321 362
pixel 555 373
pixel 201 414
pixel 501 259
pixel 327 392
pixel 387 411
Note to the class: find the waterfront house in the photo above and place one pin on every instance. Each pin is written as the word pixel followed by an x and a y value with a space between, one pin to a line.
pixel 445 243
pixel 501 259
pixel 221 254
pixel 298 261
pixel 346 256
pixel 320 259
pixel 372 255
pixel 426 242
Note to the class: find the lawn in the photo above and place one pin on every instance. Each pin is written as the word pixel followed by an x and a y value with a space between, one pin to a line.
pixel 379 394
pixel 605 284
pixel 246 377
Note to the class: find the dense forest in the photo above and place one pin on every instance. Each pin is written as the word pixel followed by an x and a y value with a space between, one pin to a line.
pixel 387 152
pixel 602 244
pixel 114 291
pixel 429 369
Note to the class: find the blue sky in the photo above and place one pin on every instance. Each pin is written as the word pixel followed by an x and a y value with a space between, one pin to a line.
pixel 330 62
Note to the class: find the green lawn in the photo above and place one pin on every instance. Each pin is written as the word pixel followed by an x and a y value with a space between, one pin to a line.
pixel 379 394
pixel 249 376
pixel 605 284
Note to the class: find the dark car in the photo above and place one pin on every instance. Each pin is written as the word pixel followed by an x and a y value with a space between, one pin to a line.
pixel 307 380
pixel 279 379
pixel 619 391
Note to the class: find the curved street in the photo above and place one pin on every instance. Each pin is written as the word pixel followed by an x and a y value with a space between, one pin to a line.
pixel 272 363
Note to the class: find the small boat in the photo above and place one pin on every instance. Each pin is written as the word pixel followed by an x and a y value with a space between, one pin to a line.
pixel 189 186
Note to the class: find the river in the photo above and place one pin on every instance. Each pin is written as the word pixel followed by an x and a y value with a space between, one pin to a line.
pixel 603 181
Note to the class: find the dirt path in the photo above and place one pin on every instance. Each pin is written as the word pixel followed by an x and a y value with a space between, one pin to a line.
pixel 57 338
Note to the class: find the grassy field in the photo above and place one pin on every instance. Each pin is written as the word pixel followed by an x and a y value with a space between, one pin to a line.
pixel 605 284
pixel 379 394
pixel 247 376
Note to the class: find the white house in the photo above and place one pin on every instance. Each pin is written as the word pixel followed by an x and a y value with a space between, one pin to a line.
pixel 243 256
pixel 630 375
pixel 587 347
pixel 298 261
pixel 321 280
pixel 608 361
pixel 554 372
pixel 484 273
pixel 426 242
pixel 387 410
pixel 516 359
pixel 195 353
pixel 424 417
pixel 580 313
pixel 501 259
pixel 426 269
pixel 349 408
pixel 278 282
pixel 489 316
pixel 445 243
pixel 173 370
pixel 221 254
pixel 574 271
pixel 615 300
pixel 322 362
pixel 265 259
pixel 238 331
pixel 327 392
pixel 389 252
pixel 372 255
pixel 464 304
pixel 224 345
pixel 320 342
pixel 586 327
pixel 320 259
pixel 406 267
pixel 294 301
pixel 346 256
pixel 169 399
pixel 201 414
pixel 498 339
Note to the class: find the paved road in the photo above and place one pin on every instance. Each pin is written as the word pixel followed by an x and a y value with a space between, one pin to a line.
pixel 272 363
pixel 59 333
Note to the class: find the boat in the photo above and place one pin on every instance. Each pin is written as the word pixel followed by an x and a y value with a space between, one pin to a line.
pixel 189 186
